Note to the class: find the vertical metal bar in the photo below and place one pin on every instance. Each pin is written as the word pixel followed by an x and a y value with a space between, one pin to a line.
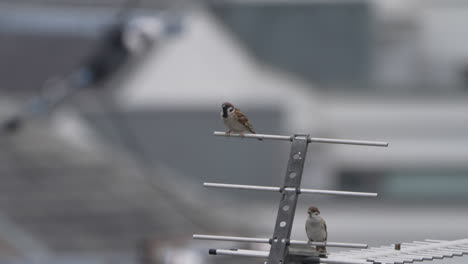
pixel 288 202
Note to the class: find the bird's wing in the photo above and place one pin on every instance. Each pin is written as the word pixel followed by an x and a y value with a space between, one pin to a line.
pixel 326 232
pixel 244 121
pixel 307 227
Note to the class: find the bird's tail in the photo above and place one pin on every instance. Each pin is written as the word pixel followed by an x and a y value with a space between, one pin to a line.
pixel 321 249
pixel 253 132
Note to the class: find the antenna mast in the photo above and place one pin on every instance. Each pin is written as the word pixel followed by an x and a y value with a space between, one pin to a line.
pixel 280 251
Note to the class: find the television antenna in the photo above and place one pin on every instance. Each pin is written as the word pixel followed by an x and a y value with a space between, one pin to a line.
pixel 283 250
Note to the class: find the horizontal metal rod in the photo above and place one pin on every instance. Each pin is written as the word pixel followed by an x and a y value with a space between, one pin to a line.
pixel 241 187
pixel 328 244
pixel 310 139
pixel 264 254
pixel 257 136
pixel 232 238
pixel 346 193
pixel 239 252
pixel 349 142
pixel 277 189
pixel 361 251
pixel 267 240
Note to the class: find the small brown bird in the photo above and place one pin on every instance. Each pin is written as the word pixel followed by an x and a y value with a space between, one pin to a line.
pixel 316 228
pixel 235 120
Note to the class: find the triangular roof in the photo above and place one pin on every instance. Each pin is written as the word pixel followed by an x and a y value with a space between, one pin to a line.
pixel 205 66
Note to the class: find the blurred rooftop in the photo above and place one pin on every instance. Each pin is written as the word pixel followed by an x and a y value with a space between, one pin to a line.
pixel 157 4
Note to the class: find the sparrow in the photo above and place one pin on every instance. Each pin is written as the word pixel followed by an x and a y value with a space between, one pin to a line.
pixel 316 228
pixel 234 120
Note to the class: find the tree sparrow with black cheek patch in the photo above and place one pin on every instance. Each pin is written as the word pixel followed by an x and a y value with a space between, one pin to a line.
pixel 234 120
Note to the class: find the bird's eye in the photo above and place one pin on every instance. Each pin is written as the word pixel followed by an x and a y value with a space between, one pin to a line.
pixel 230 109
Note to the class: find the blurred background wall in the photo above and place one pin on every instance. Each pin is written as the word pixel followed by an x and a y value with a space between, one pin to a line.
pixel 114 174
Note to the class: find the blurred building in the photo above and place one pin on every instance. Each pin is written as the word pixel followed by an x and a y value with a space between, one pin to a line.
pixel 378 104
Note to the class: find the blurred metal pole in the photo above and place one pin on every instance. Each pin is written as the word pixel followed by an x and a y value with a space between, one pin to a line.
pixel 145 250
pixel 138 152
pixel 115 50
pixel 23 242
